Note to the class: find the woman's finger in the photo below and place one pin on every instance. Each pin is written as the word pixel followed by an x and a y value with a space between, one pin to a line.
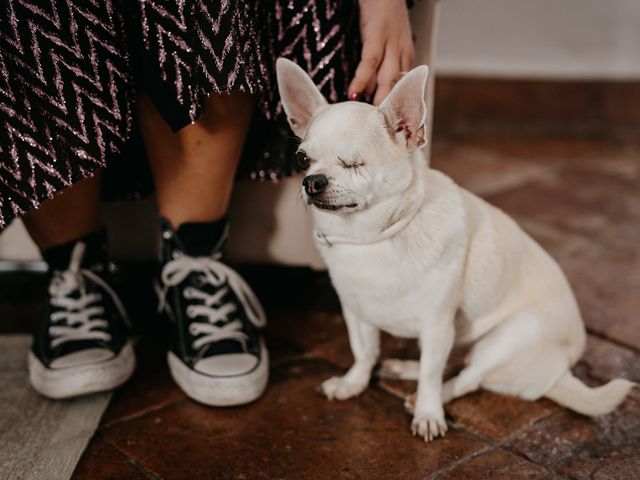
pixel 367 68
pixel 371 86
pixel 388 74
pixel 406 60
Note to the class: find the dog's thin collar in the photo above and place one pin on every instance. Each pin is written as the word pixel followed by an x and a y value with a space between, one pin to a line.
pixel 390 231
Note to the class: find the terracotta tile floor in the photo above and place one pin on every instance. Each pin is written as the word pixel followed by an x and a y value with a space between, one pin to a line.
pixel 579 199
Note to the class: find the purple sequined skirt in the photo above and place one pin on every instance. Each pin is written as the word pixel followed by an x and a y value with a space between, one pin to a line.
pixel 70 69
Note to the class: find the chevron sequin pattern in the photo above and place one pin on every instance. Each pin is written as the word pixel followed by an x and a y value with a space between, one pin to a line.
pixel 69 70
pixel 200 47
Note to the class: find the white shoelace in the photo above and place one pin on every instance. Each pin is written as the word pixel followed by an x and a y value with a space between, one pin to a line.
pixel 78 311
pixel 214 273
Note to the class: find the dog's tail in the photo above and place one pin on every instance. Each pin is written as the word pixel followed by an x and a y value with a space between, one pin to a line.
pixel 575 395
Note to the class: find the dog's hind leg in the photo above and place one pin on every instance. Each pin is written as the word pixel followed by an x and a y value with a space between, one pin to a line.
pixel 496 349
pixel 492 351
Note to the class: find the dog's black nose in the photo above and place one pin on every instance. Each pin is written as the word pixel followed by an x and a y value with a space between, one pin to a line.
pixel 315 184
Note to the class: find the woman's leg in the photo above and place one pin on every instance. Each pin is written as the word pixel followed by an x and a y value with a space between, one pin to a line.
pixel 70 215
pixel 217 354
pixel 194 168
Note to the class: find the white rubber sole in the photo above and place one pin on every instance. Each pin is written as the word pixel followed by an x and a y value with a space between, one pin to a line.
pixel 69 382
pixel 221 391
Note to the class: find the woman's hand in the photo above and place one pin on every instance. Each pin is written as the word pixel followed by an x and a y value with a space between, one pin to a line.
pixel 387 48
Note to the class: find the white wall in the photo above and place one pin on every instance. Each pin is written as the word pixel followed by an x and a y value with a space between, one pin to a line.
pixel 16 245
pixel 591 39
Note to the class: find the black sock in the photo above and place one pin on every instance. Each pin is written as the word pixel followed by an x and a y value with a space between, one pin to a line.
pixel 59 256
pixel 202 238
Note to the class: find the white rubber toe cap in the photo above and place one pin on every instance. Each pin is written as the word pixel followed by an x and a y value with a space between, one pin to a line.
pixel 82 357
pixel 223 380
pixel 227 365
pixel 82 374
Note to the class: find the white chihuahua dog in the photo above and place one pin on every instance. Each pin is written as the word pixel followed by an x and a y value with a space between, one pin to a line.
pixel 411 253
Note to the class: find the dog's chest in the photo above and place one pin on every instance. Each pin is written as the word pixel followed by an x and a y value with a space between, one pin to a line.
pixel 379 286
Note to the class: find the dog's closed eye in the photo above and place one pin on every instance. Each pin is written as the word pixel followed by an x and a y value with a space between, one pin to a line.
pixel 354 165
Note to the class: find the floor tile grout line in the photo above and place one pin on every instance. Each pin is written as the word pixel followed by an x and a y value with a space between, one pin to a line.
pixel 494 445
pixel 453 465
pixel 503 443
pixel 526 428
pixel 526 458
pixel 140 413
pixel 490 448
pixel 613 341
pixel 145 471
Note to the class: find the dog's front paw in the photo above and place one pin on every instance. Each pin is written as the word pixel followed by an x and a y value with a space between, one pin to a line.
pixel 338 388
pixel 429 425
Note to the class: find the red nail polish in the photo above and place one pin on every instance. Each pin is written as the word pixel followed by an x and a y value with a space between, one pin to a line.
pixel 355 96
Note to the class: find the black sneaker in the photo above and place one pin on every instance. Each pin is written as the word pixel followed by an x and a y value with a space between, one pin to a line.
pixel 217 355
pixel 80 346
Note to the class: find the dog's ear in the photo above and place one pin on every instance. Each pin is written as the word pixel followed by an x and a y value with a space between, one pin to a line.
pixel 301 99
pixel 405 108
